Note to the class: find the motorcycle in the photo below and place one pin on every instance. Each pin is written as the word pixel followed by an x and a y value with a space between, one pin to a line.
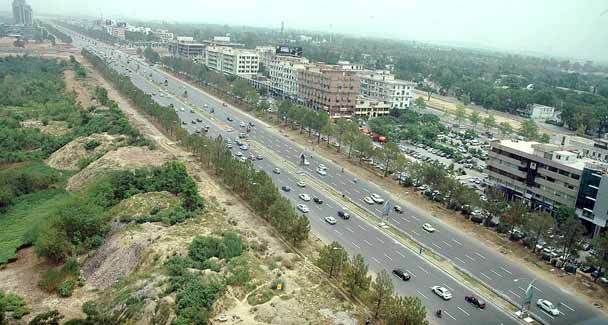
pixel 438 313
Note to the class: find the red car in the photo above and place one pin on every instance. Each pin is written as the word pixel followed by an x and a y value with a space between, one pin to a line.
pixel 477 302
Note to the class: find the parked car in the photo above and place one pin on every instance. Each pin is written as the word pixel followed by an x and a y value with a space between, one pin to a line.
pixel 402 274
pixel 475 301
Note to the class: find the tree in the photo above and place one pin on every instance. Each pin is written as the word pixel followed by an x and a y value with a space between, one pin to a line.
pixel 544 138
pixel 356 279
pixel 505 128
pixel 298 232
pixel 528 129
pixel 461 113
pixel 382 290
pixel 151 55
pixel 406 311
pixel 537 224
pixel 515 215
pixel 420 103
pixel 343 126
pixel 495 202
pixel 466 100
pixel 389 153
pixel 363 146
pixel 474 118
pixel 572 231
pixel 489 122
pixel 333 259
pixel 600 259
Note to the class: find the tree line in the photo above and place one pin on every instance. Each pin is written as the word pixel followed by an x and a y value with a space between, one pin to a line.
pixel 65 38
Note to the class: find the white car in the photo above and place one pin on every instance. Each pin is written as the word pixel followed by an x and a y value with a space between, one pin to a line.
pixel 306 162
pixel 321 172
pixel 304 197
pixel 323 167
pixel 428 227
pixel 276 171
pixel 547 306
pixel 368 200
pixel 303 208
pixel 442 292
pixel 301 184
pixel 242 124
pixel 330 220
pixel 244 147
pixel 239 154
pixel 377 198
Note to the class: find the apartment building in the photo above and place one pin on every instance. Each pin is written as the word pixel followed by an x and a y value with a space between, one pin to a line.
pixel 232 61
pixel 382 85
pixel 368 107
pixel 186 47
pixel 547 176
pixel 283 71
pixel 22 13
pixel 266 54
pixel 330 88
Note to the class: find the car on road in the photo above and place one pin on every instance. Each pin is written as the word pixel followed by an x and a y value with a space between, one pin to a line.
pixel 321 172
pixel 330 220
pixel 276 171
pixel 286 188
pixel 377 198
pixel 229 119
pixel 475 301
pixel 199 120
pixel 317 200
pixel 343 214
pixel 303 208
pixel 547 306
pixel 306 162
pixel 368 200
pixel 239 154
pixel 304 197
pixel 398 209
pixel 428 227
pixel 402 274
pixel 322 166
pixel 242 124
pixel 442 292
pixel 301 184
pixel 259 157
pixel 244 147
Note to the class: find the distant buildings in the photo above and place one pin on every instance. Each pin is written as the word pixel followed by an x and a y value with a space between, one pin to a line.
pixel 382 85
pixel 283 71
pixel 232 61
pixel 332 88
pixel 538 112
pixel 548 176
pixel 187 47
pixel 368 107
pixel 22 13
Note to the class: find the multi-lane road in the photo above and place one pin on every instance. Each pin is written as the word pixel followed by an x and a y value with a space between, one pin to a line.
pixel 358 234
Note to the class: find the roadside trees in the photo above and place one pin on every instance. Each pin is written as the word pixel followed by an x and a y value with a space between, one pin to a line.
pixel 515 215
pixel 356 279
pixel 474 118
pixel 600 259
pixel 537 224
pixel 406 311
pixel 333 259
pixel 420 103
pixel 505 128
pixel 461 113
pixel 529 129
pixel 572 231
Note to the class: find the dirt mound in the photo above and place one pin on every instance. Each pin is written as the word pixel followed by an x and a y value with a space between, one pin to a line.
pixel 141 204
pixel 69 156
pixel 120 255
pixel 123 158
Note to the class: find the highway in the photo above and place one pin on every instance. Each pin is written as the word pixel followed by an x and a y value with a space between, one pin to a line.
pixel 361 235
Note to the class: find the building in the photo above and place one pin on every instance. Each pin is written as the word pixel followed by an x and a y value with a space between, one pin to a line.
pixel 266 54
pixel 186 47
pixel 594 149
pixel 547 176
pixel 382 85
pixel 163 35
pixel 368 107
pixel 116 31
pixel 223 41
pixel 330 88
pixel 22 13
pixel 283 71
pixel 232 61
pixel 538 112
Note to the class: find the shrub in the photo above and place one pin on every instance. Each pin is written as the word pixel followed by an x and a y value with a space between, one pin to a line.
pixel 90 145
pixel 66 288
pixel 52 317
pixel 239 271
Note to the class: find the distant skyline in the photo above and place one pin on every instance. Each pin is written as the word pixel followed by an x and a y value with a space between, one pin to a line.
pixel 564 28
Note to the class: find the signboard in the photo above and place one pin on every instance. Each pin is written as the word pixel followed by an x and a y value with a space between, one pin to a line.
pixel 288 50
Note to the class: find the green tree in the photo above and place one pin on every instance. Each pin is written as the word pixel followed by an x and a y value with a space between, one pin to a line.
pixel 420 103
pixel 466 100
pixel 382 290
pixel 474 118
pixel 505 128
pixel 528 129
pixel 461 113
pixel 600 259
pixel 363 146
pixel 545 138
pixel 333 259
pixel 515 215
pixel 572 231
pixel 389 153
pixel 406 311
pixel 489 122
pixel 151 55
pixel 356 279
pixel 537 224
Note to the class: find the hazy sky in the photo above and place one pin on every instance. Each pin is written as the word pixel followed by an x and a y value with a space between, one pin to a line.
pixel 570 28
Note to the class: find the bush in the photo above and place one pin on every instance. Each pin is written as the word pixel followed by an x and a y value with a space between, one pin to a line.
pixel 52 317
pixel 14 304
pixel 239 271
pixel 92 145
pixel 202 248
pixel 66 288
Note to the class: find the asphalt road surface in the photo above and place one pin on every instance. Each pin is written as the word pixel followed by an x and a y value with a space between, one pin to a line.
pixel 358 235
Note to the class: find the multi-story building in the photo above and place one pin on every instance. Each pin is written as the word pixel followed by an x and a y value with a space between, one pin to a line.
pixel 283 71
pixel 596 149
pixel 266 54
pixel 547 176
pixel 538 112
pixel 382 85
pixel 164 35
pixel 330 88
pixel 368 107
pixel 232 61
pixel 186 47
pixel 22 13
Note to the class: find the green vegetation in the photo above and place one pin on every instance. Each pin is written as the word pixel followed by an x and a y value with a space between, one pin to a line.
pixel 12 305
pixel 151 55
pixel 409 125
pixel 62 280
pixel 58 34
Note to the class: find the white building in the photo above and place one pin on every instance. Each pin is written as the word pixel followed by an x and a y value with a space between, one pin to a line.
pixel 589 148
pixel 283 72
pixel 541 112
pixel 164 35
pixel 369 107
pixel 382 85
pixel 232 61
pixel 266 54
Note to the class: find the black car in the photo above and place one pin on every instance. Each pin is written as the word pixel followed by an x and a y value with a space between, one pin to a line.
pixel 286 188
pixel 343 215
pixel 317 200
pixel 475 301
pixel 199 120
pixel 229 119
pixel 402 274
pixel 398 209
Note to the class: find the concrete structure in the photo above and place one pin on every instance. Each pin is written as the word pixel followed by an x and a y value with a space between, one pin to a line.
pixel 538 112
pixel 22 13
pixel 330 88
pixel 283 71
pixel 266 54
pixel 383 86
pixel 164 35
pixel 222 41
pixel 186 47
pixel 232 61
pixel 369 107
pixel 547 176
pixel 594 149
pixel 118 32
